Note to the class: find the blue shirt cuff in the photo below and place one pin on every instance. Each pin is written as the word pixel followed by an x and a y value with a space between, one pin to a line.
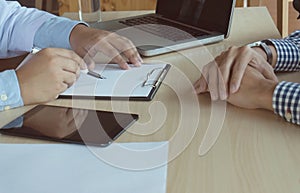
pixel 55 32
pixel 10 95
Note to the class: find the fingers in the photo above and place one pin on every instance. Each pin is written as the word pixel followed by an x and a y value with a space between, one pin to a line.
pixel 212 80
pixel 197 88
pixel 72 56
pixel 89 61
pixel 270 75
pixel 131 54
pixel 87 58
pixel 222 86
pixel 268 72
pixel 62 87
pixel 117 48
pixel 127 49
pixel 68 78
pixel 67 59
pixel 240 59
pixel 69 66
pixel 111 52
pixel 224 71
pixel 201 84
pixel 213 83
pixel 236 77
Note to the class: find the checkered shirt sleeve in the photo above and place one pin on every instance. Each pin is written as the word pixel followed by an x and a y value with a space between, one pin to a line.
pixel 286 101
pixel 286 97
pixel 288 52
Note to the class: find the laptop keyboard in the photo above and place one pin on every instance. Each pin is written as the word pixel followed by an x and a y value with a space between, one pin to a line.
pixel 159 27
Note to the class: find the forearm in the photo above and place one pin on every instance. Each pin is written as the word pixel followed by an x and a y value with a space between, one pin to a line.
pixel 55 32
pixel 282 98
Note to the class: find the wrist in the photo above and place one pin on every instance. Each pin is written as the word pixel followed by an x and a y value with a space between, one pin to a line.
pixel 264 46
pixel 260 51
pixel 274 56
pixel 22 86
pixel 268 51
pixel 266 99
pixel 76 34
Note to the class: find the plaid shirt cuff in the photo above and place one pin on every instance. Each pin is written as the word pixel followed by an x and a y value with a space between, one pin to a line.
pixel 286 101
pixel 288 54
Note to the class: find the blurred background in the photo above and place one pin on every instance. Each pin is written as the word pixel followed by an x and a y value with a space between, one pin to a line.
pixel 277 8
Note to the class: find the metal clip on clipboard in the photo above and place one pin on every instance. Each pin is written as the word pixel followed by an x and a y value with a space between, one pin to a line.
pixel 160 78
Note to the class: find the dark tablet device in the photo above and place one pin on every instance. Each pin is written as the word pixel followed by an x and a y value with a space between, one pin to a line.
pixel 70 125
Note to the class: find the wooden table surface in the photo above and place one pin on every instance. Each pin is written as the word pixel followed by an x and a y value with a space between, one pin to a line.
pixel 257 151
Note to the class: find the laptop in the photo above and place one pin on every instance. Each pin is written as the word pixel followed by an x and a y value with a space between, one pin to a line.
pixel 176 25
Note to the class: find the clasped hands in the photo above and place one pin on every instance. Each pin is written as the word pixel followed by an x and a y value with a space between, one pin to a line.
pixel 240 75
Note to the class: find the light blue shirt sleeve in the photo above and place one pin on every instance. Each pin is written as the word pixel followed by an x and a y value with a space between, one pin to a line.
pixel 55 32
pixel 18 26
pixel 22 28
pixel 10 94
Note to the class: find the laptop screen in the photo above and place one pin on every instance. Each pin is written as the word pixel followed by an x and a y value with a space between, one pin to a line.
pixel 212 15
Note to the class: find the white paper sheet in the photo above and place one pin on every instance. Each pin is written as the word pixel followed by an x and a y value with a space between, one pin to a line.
pixel 64 168
pixel 118 82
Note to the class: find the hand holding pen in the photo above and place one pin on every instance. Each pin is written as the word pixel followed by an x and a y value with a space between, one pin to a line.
pixel 46 74
pixel 85 70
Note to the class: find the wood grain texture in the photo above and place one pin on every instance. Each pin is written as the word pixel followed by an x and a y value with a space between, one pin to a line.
pixel 239 3
pixel 67 6
pixel 110 5
pixel 117 5
pixel 125 5
pixel 11 63
pixel 293 22
pixel 278 9
pixel 257 151
pixel 287 25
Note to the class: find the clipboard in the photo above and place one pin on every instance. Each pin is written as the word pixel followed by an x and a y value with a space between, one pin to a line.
pixel 136 84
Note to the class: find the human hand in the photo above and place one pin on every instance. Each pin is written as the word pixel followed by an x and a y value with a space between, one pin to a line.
pixel 223 76
pixel 57 122
pixel 87 42
pixel 255 91
pixel 47 73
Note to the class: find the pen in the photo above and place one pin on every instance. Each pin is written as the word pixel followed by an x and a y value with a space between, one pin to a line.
pixel 35 50
pixel 92 73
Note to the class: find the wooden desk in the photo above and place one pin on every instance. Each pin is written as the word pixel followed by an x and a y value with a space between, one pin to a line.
pixel 283 16
pixel 257 151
